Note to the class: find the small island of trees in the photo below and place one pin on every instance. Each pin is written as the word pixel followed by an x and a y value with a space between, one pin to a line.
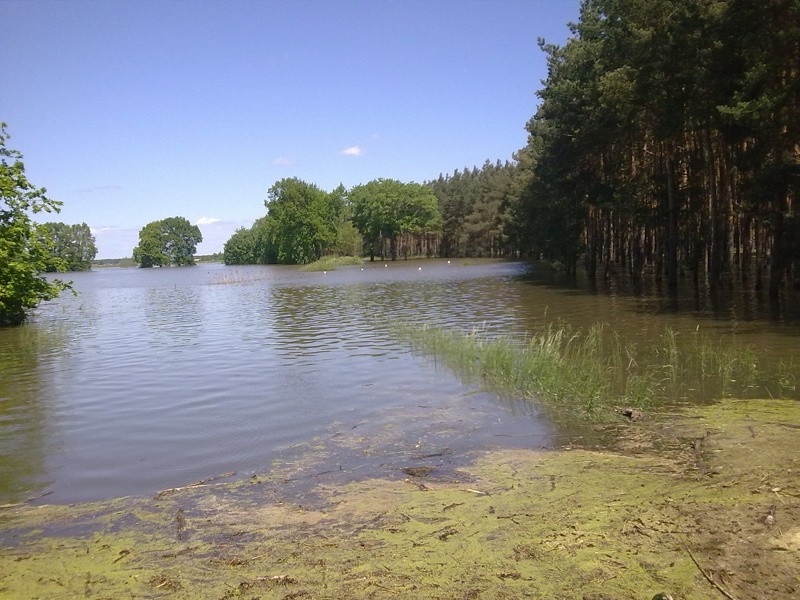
pixel 170 241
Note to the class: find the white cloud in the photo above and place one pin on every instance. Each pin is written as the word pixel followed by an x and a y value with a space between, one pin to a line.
pixel 282 161
pixel 207 221
pixel 353 151
pixel 98 230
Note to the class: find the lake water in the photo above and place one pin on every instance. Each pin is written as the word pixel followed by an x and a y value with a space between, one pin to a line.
pixel 155 378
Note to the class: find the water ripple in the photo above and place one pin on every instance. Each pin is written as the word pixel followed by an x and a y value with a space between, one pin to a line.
pixel 154 378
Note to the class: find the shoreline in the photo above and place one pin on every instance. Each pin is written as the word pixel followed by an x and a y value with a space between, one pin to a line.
pixel 689 504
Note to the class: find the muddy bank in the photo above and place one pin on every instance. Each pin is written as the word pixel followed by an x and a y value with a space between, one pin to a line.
pixel 702 504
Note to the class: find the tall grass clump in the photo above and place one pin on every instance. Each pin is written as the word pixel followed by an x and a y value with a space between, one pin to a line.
pixel 594 371
pixel 331 263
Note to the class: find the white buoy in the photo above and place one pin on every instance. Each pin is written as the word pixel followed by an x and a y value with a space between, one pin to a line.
pixel 419 269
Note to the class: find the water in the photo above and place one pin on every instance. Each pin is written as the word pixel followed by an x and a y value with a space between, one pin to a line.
pixel 151 379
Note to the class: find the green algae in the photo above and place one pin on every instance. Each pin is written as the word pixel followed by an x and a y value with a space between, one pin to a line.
pixel 715 488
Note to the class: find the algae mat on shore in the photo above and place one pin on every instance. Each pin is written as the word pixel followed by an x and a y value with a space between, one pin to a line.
pixel 702 504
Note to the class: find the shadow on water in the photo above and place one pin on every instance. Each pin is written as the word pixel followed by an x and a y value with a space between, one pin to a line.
pixel 25 414
pixel 758 342
pixel 727 301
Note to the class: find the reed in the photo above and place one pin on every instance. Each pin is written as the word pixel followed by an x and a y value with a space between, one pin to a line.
pixel 331 263
pixel 234 276
pixel 595 372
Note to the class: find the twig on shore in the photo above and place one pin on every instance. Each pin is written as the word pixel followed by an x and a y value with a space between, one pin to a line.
pixel 708 577
pixel 196 484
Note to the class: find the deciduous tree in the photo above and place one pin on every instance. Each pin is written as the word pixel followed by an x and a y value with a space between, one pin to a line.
pixel 24 248
pixel 385 208
pixel 72 244
pixel 304 220
pixel 171 241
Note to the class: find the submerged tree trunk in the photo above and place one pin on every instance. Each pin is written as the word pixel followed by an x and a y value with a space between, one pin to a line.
pixel 672 226
pixel 591 256
pixel 778 253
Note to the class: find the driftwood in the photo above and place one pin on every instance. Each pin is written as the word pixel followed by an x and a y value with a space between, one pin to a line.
pixel 196 484
pixel 708 577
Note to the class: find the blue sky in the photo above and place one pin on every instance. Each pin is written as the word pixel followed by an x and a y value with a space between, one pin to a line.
pixel 132 111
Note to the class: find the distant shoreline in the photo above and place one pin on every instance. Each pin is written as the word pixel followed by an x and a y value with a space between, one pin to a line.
pixel 128 262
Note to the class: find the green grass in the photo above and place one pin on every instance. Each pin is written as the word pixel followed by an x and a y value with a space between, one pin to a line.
pixel 593 373
pixel 331 263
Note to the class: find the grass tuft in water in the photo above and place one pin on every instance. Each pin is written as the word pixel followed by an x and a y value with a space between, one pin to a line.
pixel 331 263
pixel 593 372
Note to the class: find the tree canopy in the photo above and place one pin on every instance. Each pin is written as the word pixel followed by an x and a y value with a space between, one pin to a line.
pixel 254 246
pixel 395 218
pixel 383 209
pixel 25 249
pixel 302 224
pixel 73 246
pixel 478 207
pixel 170 241
pixel 304 220
pixel 667 140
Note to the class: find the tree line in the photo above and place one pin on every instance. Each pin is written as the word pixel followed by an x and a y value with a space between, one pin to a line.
pixel 384 217
pixel 302 223
pixel 667 141
pixel 72 247
pixel 468 213
pixel 478 209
